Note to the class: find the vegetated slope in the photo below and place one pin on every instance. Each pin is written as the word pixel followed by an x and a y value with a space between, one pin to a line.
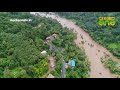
pixel 108 36
pixel 22 42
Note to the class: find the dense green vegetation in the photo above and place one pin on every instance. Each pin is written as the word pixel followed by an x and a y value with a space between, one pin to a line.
pixel 113 66
pixel 108 36
pixel 22 42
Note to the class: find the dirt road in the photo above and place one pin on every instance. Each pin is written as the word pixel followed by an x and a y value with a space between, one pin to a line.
pixel 94 52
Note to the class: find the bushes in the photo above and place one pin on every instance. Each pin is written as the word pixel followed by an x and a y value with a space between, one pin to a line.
pixel 113 66
pixel 15 73
pixel 41 68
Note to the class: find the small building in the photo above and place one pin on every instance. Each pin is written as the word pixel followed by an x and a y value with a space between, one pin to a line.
pixel 48 38
pixel 54 35
pixel 73 63
pixel 44 53
pixel 52 38
pixel 50 76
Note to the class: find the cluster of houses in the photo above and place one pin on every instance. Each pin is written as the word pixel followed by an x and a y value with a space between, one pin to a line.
pixel 50 38
pixel 51 61
pixel 65 66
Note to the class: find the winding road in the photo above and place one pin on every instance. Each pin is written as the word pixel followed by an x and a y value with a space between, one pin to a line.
pixel 94 53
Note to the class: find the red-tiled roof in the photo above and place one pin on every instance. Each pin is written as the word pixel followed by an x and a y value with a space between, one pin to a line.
pixel 50 76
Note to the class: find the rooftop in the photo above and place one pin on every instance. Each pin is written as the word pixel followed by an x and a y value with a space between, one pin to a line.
pixel 50 76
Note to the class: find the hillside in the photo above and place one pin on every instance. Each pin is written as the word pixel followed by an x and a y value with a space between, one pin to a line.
pixel 21 44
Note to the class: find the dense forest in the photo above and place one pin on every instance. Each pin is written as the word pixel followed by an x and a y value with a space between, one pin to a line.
pixel 108 36
pixel 21 44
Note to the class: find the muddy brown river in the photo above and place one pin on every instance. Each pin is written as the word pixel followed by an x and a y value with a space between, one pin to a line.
pixel 93 53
